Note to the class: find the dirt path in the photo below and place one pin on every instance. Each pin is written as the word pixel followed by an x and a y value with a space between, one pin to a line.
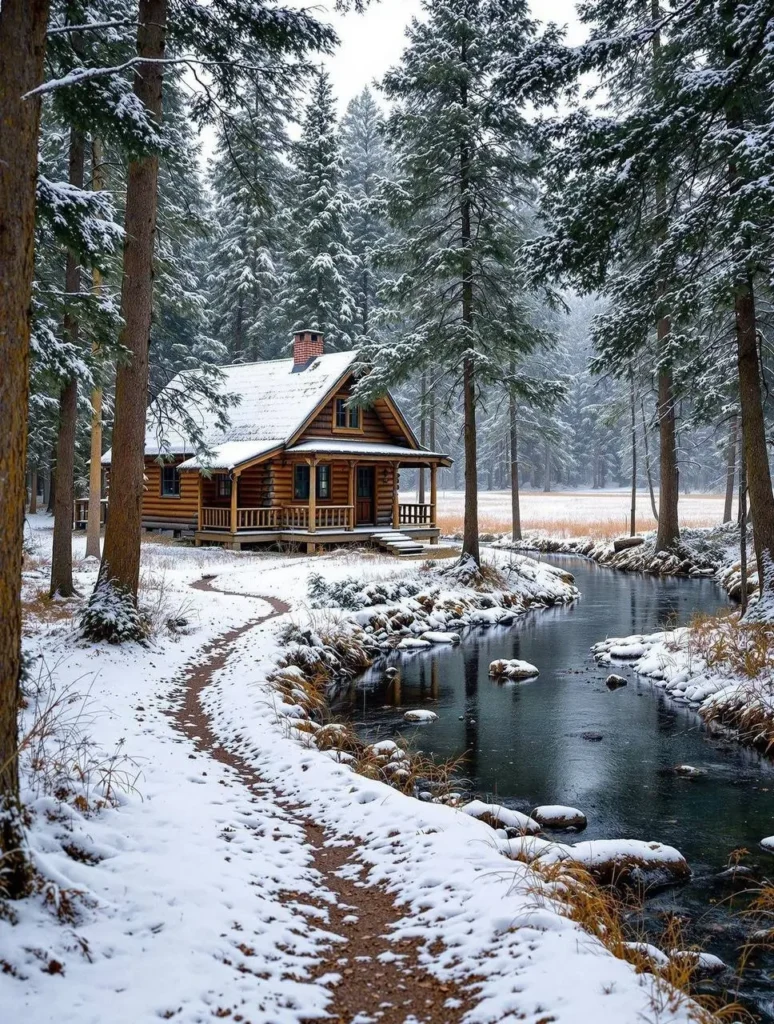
pixel 364 987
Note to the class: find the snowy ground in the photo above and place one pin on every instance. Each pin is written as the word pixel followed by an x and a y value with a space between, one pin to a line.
pixel 721 668
pixel 197 890
pixel 572 513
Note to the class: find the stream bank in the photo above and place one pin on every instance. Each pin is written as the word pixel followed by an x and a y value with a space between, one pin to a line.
pixel 531 743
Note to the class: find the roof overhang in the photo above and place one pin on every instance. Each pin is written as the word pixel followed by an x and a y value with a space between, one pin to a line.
pixel 231 456
pixel 331 448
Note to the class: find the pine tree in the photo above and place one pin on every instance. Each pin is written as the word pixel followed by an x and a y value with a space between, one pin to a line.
pixel 22 49
pixel 462 170
pixel 672 190
pixel 320 260
pixel 222 34
pixel 249 180
pixel 365 167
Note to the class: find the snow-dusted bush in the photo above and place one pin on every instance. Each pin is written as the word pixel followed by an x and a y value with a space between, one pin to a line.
pixel 352 593
pixel 112 615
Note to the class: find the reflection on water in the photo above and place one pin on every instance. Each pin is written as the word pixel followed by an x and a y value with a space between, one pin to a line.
pixel 524 742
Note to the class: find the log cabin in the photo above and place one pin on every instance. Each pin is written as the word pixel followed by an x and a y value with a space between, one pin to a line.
pixel 298 462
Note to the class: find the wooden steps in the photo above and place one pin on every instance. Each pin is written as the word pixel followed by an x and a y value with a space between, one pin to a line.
pixel 396 543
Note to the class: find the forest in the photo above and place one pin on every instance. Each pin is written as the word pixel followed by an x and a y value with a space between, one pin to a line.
pixel 558 258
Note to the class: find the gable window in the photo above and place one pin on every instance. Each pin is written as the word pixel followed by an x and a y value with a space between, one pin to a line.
pixel 170 482
pixel 346 418
pixel 301 482
pixel 224 485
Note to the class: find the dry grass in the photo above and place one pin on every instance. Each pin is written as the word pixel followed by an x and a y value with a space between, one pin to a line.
pixel 42 608
pixel 567 528
pixel 603 912
pixel 742 651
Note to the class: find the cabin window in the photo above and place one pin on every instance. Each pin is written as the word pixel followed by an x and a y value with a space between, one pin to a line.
pixel 324 482
pixel 224 485
pixel 301 482
pixel 347 418
pixel 170 482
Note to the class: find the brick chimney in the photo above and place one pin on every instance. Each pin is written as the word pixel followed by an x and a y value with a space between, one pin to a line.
pixel 307 345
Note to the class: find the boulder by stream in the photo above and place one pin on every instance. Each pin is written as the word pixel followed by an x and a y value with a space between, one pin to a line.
pixel 512 668
pixel 559 817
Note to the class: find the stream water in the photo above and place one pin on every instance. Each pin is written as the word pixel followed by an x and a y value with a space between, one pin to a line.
pixel 524 746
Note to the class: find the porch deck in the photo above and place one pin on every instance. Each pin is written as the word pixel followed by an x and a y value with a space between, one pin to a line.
pixel 332 524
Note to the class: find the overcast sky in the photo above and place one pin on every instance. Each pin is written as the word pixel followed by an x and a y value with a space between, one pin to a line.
pixel 373 42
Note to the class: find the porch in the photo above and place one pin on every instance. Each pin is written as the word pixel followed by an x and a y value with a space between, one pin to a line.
pixel 303 503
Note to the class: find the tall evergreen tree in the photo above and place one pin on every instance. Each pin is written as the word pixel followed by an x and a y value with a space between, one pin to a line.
pixel 666 199
pixel 22 49
pixel 365 167
pixel 248 178
pixel 320 260
pixel 462 169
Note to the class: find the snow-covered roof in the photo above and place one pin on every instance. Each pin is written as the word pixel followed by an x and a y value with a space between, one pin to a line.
pixel 231 454
pixel 276 399
pixel 327 445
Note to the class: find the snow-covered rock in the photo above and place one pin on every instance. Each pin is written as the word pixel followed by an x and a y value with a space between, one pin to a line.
pixel 624 861
pixel 512 668
pixel 705 964
pixel 420 715
pixel 500 817
pixel 768 844
pixel 557 816
pixel 440 637
pixel 646 951
pixel 410 643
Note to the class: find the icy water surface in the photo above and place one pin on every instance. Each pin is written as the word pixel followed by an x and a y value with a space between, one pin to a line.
pixel 524 743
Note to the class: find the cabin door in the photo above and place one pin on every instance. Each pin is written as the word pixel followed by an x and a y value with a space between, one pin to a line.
pixel 364 508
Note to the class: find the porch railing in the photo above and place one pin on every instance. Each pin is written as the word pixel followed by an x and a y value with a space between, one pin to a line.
pixel 81 511
pixel 412 514
pixel 216 519
pixel 259 518
pixel 292 517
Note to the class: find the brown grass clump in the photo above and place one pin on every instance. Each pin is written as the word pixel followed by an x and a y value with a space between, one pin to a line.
pixel 42 608
pixel 743 651
pixel 565 527
pixel 603 911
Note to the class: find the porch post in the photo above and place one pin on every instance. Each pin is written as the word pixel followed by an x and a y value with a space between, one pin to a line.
pixel 395 504
pixel 234 502
pixel 199 500
pixel 312 495
pixel 433 493
pixel 351 495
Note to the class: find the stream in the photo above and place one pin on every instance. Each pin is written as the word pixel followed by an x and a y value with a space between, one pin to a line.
pixel 524 746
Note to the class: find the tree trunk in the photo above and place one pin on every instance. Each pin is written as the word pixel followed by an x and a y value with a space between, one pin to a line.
pixel 62 546
pixel 647 462
pixel 470 531
pixel 754 441
pixel 668 525
pixel 22 49
pixel 514 438
pixel 668 491
pixel 422 433
pixel 546 467
pixel 743 532
pixel 95 454
pixel 33 491
pixel 633 523
pixel 121 555
pixel 51 485
pixel 730 469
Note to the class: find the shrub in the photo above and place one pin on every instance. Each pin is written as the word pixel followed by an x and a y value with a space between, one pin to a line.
pixel 112 615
